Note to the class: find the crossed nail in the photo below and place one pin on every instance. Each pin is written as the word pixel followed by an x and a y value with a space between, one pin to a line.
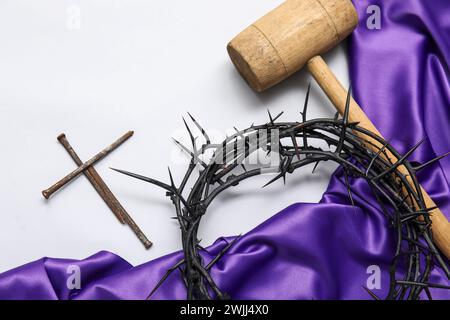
pixel 97 182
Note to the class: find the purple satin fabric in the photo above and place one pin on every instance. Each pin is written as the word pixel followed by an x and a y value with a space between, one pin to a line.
pixel 400 75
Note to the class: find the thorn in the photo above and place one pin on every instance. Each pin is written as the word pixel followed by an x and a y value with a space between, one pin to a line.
pixel 278 116
pixel 283 169
pixel 171 178
pixel 414 148
pixel 400 161
pixel 305 105
pixel 190 135
pixel 341 143
pixel 347 105
pixel 193 155
pixel 270 117
pixel 294 142
pixel 315 166
pixel 422 166
pixel 374 158
pixel 349 190
pixel 183 147
pixel 146 179
pixel 427 291
pixel 222 252
pixel 272 120
pixel 239 133
pixel 305 109
pixel 353 124
pixel 431 209
pixel 345 123
pixel 371 293
pixel 336 116
pixel 272 181
pixel 208 141
pixel 430 285
pixel 167 274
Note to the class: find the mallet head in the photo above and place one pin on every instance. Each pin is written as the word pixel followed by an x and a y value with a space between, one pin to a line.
pixel 284 40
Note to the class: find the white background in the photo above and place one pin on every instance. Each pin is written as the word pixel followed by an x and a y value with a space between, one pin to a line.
pixel 131 65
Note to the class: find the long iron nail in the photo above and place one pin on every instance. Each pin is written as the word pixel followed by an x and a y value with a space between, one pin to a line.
pixel 106 194
pixel 95 179
pixel 61 183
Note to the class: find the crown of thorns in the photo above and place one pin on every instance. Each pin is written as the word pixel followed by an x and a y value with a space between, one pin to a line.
pixel 350 146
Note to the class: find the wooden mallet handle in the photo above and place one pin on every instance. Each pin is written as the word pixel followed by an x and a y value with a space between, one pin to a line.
pixel 338 94
pixel 295 34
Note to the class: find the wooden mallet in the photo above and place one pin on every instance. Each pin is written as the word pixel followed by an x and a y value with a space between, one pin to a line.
pixel 295 34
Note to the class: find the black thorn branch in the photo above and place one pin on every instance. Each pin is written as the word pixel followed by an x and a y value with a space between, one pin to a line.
pixel 398 198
